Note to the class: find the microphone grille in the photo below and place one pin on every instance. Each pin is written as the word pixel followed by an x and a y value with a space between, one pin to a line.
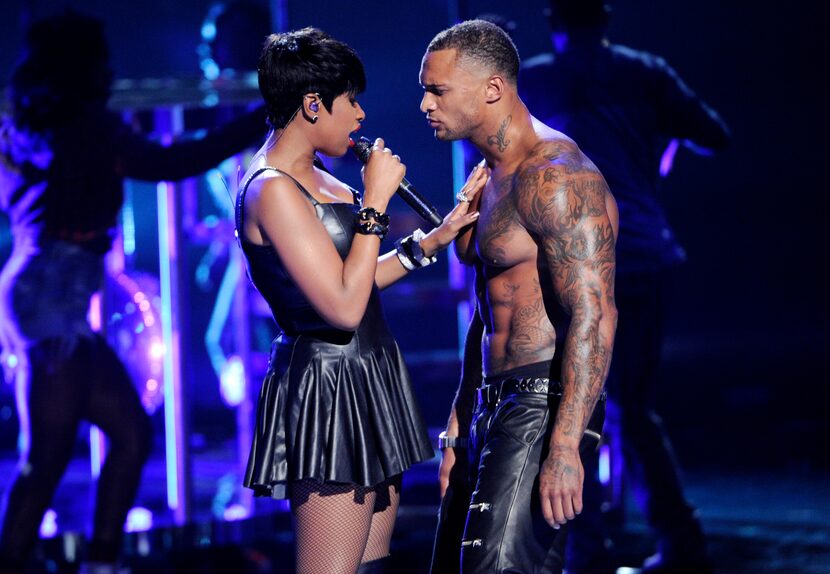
pixel 362 148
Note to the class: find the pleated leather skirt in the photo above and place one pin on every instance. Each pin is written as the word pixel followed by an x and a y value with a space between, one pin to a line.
pixel 335 413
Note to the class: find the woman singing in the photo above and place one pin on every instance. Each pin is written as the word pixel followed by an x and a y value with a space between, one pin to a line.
pixel 337 422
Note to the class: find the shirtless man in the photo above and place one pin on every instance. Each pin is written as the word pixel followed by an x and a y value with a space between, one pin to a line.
pixel 540 343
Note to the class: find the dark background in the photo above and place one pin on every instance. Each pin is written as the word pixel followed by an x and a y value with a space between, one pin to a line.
pixel 747 321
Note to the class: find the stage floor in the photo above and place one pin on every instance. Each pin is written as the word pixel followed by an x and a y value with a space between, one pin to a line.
pixel 758 522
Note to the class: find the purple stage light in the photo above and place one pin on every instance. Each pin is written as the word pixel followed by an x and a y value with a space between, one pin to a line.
pixel 139 519
pixel 49 524
pixel 232 381
pixel 134 329
pixel 605 464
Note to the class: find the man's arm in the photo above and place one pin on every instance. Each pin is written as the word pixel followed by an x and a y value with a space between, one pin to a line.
pixel 563 202
pixel 471 375
pixel 462 406
pixel 681 114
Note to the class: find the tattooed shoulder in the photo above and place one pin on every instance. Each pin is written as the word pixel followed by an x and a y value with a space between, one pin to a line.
pixel 558 186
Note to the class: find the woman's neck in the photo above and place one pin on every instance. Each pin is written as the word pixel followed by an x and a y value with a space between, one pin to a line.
pixel 289 151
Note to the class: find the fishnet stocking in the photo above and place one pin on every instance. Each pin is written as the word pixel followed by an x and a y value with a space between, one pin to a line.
pixel 339 526
pixel 387 498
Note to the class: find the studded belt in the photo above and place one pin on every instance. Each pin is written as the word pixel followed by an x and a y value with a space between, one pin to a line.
pixel 491 394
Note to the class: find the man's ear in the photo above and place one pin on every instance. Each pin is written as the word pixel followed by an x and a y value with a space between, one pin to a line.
pixel 494 89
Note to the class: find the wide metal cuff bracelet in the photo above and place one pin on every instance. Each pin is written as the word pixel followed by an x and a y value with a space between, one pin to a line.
pixel 445 441
pixel 410 254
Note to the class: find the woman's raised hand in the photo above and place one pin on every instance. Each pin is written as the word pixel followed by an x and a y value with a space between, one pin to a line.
pixel 461 216
pixel 382 175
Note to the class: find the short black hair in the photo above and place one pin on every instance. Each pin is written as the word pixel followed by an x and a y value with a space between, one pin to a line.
pixel 483 42
pixel 63 69
pixel 304 61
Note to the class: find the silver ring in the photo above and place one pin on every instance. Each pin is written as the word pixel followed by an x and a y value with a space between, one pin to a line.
pixel 461 196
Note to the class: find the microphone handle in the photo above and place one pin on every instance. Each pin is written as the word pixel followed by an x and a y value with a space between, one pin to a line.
pixel 362 148
pixel 418 202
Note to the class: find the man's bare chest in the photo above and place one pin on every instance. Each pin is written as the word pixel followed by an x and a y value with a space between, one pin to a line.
pixel 501 238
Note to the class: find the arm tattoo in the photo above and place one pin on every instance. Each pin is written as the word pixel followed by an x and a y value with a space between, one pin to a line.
pixel 562 202
pixel 554 466
pixel 499 139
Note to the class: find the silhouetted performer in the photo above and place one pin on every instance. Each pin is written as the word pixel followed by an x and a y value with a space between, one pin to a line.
pixel 63 159
pixel 622 107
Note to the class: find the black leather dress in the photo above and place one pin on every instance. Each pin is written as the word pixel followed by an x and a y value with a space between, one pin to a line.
pixel 336 406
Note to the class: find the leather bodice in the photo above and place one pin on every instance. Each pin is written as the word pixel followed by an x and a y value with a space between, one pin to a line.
pixel 289 306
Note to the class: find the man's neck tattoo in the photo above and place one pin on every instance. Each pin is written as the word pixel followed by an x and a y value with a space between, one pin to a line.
pixel 499 139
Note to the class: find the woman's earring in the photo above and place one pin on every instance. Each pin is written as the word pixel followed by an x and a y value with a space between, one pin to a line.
pixel 314 119
pixel 314 107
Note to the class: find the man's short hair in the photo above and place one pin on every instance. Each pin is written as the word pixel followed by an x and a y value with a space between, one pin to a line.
pixel 482 42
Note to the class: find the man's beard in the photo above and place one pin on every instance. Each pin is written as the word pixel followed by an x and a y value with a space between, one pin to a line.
pixel 462 131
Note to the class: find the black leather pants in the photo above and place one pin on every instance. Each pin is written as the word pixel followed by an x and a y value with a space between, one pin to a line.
pixel 505 531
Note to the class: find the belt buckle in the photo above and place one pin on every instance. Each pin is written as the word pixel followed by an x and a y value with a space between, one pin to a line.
pixel 489 395
pixel 494 393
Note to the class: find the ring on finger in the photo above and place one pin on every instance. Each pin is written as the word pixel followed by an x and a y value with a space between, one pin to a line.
pixel 462 196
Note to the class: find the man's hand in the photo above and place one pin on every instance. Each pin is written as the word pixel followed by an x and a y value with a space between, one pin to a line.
pixel 560 486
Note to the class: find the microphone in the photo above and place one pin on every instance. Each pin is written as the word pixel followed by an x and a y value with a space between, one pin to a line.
pixel 362 148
